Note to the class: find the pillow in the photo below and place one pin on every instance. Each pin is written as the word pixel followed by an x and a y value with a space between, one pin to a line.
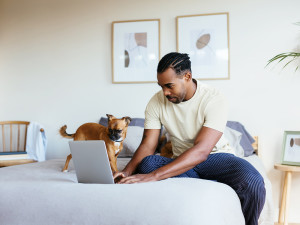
pixel 228 143
pixel 224 146
pixel 234 138
pixel 134 122
pixel 246 139
pixel 132 141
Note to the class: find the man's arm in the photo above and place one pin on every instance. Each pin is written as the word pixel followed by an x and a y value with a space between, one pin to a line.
pixel 203 145
pixel 147 147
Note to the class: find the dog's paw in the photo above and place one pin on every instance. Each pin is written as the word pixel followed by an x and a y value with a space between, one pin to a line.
pixel 65 171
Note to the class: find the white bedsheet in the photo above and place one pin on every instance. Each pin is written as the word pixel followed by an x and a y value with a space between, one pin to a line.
pixel 40 193
pixel 267 215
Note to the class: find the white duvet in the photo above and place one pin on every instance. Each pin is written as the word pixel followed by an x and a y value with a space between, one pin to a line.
pixel 40 193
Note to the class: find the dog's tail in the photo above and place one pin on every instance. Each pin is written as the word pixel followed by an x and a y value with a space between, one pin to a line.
pixel 64 134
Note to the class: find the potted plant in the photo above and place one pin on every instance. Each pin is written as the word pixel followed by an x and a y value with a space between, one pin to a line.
pixel 291 56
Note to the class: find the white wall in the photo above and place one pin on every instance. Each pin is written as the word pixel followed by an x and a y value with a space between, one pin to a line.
pixel 55 67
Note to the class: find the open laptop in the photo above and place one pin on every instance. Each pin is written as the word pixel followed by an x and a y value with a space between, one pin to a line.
pixel 91 162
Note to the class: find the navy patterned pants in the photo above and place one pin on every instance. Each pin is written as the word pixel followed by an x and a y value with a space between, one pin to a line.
pixel 225 168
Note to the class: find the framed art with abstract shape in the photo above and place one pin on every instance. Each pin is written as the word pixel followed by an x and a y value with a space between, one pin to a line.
pixel 135 50
pixel 205 38
pixel 291 148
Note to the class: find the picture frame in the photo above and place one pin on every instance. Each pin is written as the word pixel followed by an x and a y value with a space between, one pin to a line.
pixel 205 37
pixel 135 50
pixel 291 148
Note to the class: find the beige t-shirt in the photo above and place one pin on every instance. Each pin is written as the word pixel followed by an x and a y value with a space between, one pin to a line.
pixel 183 121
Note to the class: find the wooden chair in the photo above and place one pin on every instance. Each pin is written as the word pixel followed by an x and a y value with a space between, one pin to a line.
pixel 13 143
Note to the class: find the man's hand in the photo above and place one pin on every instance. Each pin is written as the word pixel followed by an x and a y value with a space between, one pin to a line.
pixel 119 175
pixel 147 147
pixel 138 178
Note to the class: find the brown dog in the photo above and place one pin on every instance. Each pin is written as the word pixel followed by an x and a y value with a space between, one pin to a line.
pixel 166 147
pixel 113 135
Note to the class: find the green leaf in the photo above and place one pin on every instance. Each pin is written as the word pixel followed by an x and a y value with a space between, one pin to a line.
pixel 283 56
pixel 287 55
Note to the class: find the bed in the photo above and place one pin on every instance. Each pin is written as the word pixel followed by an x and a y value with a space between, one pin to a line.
pixel 39 193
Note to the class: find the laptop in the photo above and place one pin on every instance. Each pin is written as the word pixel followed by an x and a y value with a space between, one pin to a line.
pixel 91 162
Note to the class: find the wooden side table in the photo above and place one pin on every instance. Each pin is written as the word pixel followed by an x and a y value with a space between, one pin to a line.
pixel 284 208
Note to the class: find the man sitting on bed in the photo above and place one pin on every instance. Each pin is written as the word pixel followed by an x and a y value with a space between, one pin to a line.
pixel 195 115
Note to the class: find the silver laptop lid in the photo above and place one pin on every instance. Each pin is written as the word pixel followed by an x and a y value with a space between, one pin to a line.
pixel 91 162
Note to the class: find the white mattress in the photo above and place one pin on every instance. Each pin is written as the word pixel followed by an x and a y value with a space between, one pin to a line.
pixel 267 215
pixel 40 193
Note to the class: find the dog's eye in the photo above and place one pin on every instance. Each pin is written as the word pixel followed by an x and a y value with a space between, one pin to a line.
pixel 110 130
pixel 119 131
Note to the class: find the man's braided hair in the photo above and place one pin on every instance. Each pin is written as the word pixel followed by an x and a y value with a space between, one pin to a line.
pixel 179 62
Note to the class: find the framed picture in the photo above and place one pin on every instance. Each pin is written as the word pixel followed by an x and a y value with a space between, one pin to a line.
pixel 135 51
pixel 206 39
pixel 291 148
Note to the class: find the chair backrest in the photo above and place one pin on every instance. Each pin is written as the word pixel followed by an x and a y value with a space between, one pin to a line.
pixel 13 136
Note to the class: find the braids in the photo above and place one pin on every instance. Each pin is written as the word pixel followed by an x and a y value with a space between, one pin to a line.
pixel 179 62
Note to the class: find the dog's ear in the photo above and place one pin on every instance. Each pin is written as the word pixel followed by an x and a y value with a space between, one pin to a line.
pixel 110 117
pixel 127 120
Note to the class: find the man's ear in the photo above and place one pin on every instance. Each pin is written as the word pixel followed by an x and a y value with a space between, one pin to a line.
pixel 110 117
pixel 188 76
pixel 127 120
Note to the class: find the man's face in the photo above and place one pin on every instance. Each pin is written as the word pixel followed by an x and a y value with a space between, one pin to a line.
pixel 172 85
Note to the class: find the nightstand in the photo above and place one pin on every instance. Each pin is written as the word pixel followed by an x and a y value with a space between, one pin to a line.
pixel 284 207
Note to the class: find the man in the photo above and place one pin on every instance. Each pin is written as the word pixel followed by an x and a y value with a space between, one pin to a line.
pixel 195 116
